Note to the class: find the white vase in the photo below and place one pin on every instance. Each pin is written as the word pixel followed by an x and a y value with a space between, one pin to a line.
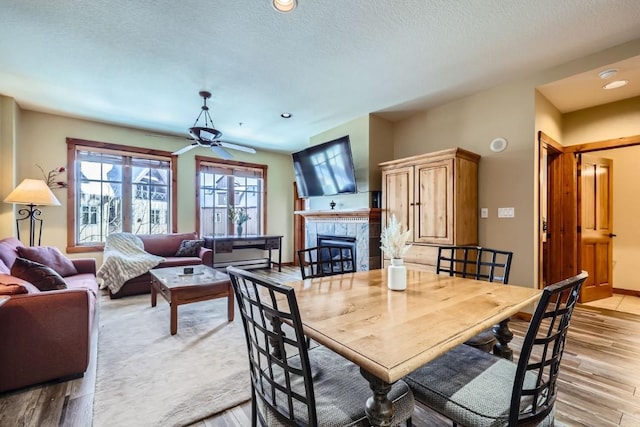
pixel 397 275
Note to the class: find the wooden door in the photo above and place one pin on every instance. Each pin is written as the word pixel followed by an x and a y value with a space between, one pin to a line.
pixel 596 226
pixel 299 228
pixel 434 202
pixel 398 196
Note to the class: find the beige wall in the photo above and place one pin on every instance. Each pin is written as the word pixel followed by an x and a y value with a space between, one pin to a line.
pixel 506 179
pixel 358 131
pixel 9 119
pixel 43 142
pixel 548 118
pixel 616 120
pixel 626 223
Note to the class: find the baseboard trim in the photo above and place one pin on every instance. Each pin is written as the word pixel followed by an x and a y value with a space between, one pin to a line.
pixel 626 292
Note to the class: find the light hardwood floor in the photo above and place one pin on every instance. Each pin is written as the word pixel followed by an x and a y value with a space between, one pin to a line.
pixel 598 386
pixel 619 302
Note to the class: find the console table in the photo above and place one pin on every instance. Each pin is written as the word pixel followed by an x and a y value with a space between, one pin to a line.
pixel 227 244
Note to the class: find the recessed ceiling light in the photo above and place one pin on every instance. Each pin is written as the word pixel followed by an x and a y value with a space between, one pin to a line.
pixel 286 115
pixel 615 84
pixel 285 5
pixel 606 74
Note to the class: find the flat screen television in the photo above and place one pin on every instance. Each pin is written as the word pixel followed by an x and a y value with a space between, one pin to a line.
pixel 325 169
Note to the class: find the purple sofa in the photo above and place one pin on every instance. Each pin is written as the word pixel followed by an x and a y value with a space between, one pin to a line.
pixel 166 246
pixel 44 335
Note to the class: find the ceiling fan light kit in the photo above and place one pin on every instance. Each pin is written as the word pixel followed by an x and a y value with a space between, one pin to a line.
pixel 205 133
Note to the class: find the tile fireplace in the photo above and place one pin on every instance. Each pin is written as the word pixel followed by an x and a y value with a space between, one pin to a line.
pixel 357 227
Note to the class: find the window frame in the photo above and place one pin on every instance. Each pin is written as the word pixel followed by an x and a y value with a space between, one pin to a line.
pixel 210 161
pixel 126 150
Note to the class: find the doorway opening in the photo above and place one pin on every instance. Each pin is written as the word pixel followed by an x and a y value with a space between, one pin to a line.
pixel 570 239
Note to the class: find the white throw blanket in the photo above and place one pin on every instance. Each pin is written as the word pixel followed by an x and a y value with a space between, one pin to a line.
pixel 124 258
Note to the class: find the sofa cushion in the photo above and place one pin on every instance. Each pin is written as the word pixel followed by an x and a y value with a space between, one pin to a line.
pixel 83 281
pixel 49 256
pixel 164 245
pixel 189 248
pixel 43 277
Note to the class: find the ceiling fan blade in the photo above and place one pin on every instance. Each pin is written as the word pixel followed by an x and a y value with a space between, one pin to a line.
pixel 237 147
pixel 185 149
pixel 221 152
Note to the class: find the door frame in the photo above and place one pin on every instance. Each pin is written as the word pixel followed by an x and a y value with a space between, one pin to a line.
pixel 563 258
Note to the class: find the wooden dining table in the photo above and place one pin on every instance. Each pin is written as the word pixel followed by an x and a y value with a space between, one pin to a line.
pixel 389 334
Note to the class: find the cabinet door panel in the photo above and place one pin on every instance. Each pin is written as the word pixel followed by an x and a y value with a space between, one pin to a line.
pixel 397 199
pixel 434 207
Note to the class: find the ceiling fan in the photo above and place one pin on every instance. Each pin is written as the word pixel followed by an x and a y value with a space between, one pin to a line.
pixel 209 136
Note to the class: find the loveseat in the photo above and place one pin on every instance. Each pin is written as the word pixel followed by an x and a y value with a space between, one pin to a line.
pixel 165 246
pixel 44 335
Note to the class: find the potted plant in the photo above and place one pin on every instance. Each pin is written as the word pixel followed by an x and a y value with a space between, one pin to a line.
pixel 393 242
pixel 239 216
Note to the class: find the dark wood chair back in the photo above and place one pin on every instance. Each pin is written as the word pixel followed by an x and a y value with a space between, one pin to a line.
pixel 326 260
pixel 542 351
pixel 474 262
pixel 460 261
pixel 494 265
pixel 267 308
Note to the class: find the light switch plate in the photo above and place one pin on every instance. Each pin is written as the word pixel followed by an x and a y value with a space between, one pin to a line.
pixel 484 213
pixel 506 212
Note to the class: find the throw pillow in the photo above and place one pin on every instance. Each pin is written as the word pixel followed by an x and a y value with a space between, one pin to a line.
pixel 42 277
pixel 49 256
pixel 190 248
pixel 12 289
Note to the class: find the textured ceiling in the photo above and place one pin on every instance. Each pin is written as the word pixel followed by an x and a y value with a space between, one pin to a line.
pixel 141 63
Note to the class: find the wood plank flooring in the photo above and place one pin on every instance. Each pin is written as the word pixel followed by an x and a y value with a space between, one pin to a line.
pixel 598 385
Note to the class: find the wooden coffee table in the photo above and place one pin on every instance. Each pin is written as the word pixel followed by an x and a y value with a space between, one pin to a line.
pixel 178 288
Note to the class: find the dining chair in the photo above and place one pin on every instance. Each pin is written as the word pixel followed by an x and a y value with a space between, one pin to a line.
pixel 480 263
pixel 290 384
pixel 326 260
pixel 475 388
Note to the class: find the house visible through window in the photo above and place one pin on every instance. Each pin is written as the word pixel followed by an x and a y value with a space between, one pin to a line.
pixel 223 185
pixel 118 189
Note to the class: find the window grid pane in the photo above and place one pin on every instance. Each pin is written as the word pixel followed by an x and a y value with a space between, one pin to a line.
pixel 223 187
pixel 100 185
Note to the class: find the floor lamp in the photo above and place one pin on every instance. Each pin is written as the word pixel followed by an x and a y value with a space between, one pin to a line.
pixel 32 192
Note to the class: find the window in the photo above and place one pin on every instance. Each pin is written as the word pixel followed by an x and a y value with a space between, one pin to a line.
pixel 226 184
pixel 116 188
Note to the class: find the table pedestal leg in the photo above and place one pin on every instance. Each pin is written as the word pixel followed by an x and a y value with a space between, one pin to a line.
pixel 504 336
pixel 379 408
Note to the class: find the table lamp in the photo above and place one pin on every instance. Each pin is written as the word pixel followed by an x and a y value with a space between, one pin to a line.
pixel 32 192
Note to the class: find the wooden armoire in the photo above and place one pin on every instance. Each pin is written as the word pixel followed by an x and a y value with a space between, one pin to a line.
pixel 435 195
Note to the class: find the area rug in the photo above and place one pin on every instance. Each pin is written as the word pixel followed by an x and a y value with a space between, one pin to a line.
pixel 146 377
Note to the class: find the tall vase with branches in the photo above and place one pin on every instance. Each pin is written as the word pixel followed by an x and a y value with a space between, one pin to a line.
pixel 393 241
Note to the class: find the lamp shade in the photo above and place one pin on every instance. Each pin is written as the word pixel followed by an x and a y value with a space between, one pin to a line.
pixel 32 192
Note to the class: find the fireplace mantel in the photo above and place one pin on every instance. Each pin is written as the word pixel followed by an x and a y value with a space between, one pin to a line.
pixel 368 214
